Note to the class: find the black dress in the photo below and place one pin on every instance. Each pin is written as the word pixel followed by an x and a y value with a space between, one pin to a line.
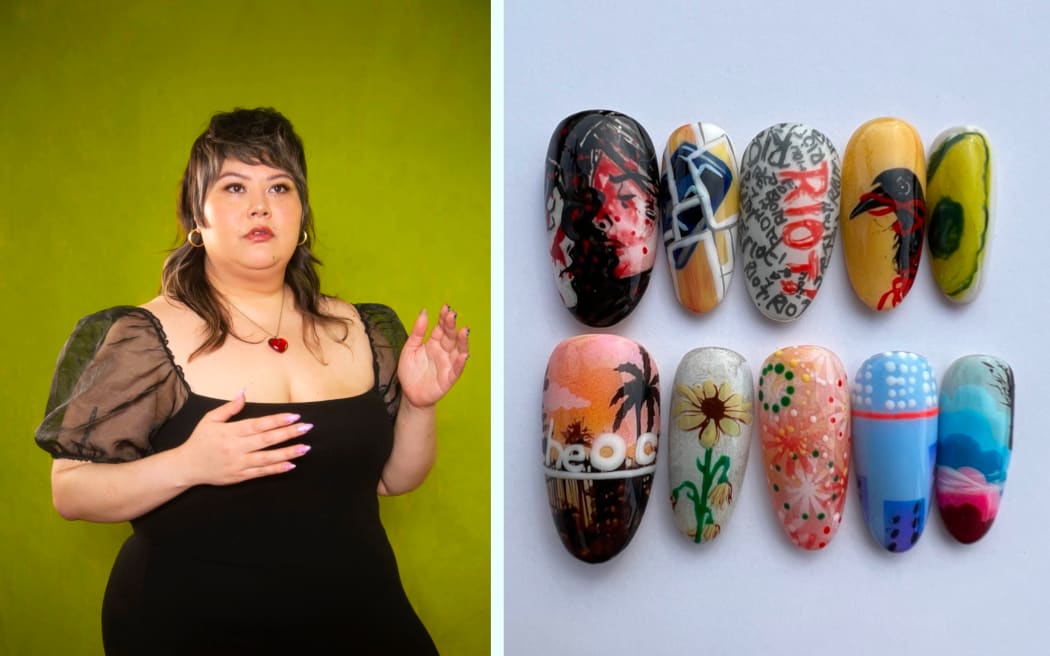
pixel 294 563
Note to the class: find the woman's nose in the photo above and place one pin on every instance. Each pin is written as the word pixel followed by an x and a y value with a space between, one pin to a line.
pixel 260 207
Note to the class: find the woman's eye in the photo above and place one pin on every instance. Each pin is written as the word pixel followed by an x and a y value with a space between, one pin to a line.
pixel 280 188
pixel 234 187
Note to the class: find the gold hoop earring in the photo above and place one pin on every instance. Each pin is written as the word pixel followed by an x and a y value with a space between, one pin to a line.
pixel 189 237
pixel 303 240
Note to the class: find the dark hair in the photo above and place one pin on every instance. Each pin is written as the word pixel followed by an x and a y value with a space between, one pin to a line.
pixel 252 136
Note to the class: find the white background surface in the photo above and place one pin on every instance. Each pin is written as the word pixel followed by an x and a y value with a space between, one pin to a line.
pixel 744 67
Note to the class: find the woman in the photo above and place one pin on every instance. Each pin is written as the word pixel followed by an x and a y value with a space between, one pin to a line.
pixel 244 424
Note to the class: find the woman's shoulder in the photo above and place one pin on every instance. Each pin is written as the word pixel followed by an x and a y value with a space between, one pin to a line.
pixel 369 314
pixel 380 321
pixel 119 321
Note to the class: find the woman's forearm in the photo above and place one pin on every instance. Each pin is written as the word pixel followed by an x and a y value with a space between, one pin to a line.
pixel 104 492
pixel 414 452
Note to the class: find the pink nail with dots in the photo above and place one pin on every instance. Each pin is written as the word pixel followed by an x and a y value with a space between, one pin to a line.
pixel 804 418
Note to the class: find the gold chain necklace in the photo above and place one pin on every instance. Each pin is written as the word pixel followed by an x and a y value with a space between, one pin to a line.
pixel 276 342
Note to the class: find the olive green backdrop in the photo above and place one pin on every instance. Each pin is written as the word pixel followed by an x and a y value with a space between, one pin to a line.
pixel 99 104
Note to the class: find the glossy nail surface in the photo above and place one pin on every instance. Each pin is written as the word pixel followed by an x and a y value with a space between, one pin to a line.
pixel 699 208
pixel 789 197
pixel 804 416
pixel 975 438
pixel 709 437
pixel 601 176
pixel 601 424
pixel 895 445
pixel 883 210
pixel 959 189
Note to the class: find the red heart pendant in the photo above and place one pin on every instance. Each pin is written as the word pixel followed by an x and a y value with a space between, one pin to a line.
pixel 278 344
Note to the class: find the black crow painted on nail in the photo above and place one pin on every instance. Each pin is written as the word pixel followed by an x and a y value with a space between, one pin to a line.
pixel 898 191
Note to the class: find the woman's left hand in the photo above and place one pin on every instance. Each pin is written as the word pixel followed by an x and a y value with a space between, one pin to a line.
pixel 428 369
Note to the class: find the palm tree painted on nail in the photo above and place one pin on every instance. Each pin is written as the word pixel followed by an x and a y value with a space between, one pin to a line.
pixel 642 390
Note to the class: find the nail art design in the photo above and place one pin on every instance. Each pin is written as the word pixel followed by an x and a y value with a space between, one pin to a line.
pixel 601 214
pixel 789 196
pixel 804 418
pixel 601 424
pixel 975 438
pixel 700 202
pixel 959 184
pixel 883 189
pixel 709 439
pixel 895 445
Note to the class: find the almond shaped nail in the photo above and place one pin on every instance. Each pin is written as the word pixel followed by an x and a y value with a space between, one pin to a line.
pixel 959 189
pixel 601 191
pixel 789 196
pixel 804 417
pixel 700 205
pixel 709 437
pixel 975 438
pixel 895 445
pixel 883 210
pixel 601 430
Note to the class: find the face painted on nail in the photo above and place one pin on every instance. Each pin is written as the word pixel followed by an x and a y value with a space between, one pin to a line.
pixel 627 218
pixel 601 214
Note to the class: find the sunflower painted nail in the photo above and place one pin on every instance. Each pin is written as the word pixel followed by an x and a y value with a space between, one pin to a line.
pixel 709 439
pixel 804 418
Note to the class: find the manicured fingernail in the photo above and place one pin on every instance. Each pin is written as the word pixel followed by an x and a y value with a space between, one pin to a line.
pixel 883 210
pixel 601 425
pixel 975 438
pixel 241 394
pixel 700 203
pixel 302 448
pixel 895 445
pixel 959 189
pixel 790 180
pixel 288 466
pixel 601 176
pixel 292 418
pixel 302 428
pixel 804 415
pixel 709 437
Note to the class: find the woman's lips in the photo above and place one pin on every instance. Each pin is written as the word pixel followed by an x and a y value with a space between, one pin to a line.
pixel 259 235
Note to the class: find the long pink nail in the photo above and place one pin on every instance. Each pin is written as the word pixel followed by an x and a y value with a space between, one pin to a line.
pixel 303 428
pixel 288 466
pixel 303 448
pixel 291 418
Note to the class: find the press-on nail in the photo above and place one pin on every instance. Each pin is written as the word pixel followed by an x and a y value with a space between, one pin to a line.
pixel 804 415
pixel 789 199
pixel 709 437
pixel 601 423
pixel 975 438
pixel 959 188
pixel 883 210
pixel 601 176
pixel 700 202
pixel 895 445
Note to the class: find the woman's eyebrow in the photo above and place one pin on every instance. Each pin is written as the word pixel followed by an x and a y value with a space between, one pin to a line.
pixel 234 174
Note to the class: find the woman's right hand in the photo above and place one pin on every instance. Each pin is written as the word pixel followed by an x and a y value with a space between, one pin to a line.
pixel 222 452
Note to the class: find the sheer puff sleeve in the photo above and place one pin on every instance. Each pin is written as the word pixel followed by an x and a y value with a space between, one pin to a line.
pixel 114 386
pixel 387 336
